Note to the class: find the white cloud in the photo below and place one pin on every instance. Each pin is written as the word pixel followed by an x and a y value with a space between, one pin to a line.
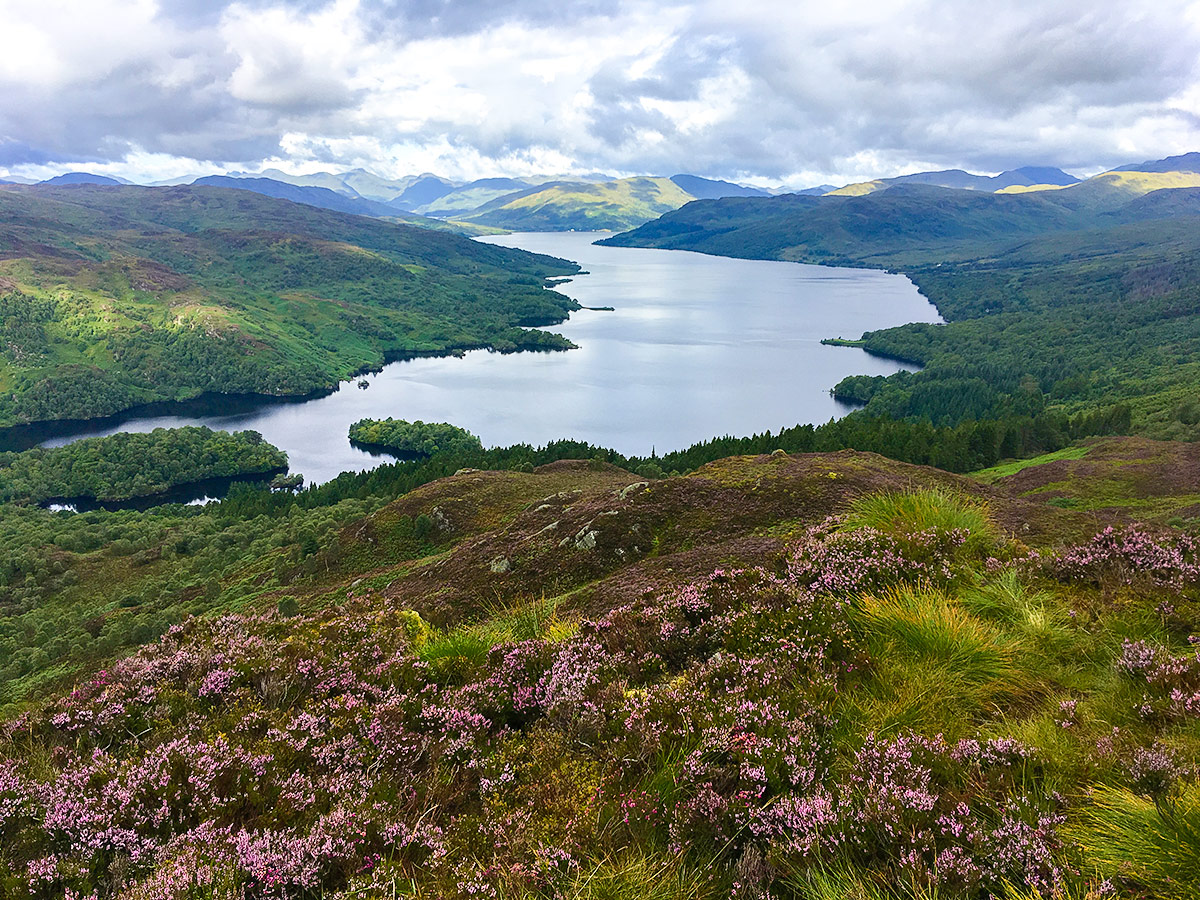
pixel 291 61
pixel 757 89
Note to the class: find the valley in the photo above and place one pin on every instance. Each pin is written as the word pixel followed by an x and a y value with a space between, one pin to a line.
pixel 589 668
pixel 670 365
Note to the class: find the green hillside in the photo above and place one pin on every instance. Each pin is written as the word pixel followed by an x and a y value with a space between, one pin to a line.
pixel 116 296
pixel 1064 299
pixel 609 206
pixel 826 676
pixel 126 465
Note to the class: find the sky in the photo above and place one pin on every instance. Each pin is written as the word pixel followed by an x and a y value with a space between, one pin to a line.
pixel 767 92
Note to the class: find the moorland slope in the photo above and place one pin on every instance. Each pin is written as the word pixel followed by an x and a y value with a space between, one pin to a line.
pixel 573 681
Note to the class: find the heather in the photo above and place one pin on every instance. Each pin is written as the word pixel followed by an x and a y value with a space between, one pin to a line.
pixel 906 702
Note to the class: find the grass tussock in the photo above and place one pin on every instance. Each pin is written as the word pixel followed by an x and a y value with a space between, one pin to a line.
pixel 850 883
pixel 1155 846
pixel 938 666
pixel 1030 614
pixel 922 509
pixel 456 653
pixel 638 876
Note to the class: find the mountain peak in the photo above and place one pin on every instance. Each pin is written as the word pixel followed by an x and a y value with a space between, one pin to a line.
pixel 80 178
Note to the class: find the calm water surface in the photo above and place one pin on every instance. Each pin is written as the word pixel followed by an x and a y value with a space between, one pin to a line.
pixel 696 346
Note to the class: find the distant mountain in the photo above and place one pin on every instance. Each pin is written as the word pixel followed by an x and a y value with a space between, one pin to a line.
pixel 904 216
pixel 178 179
pixel 841 229
pixel 572 206
pixel 1165 203
pixel 1110 191
pixel 423 191
pixel 470 197
pixel 708 189
pixel 326 180
pixel 580 206
pixel 372 187
pixel 1035 175
pixel 1187 162
pixel 80 178
pixel 818 191
pixel 323 198
pixel 957 178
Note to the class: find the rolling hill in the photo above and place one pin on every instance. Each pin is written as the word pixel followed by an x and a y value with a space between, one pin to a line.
pixel 1065 299
pixel 569 206
pixel 114 296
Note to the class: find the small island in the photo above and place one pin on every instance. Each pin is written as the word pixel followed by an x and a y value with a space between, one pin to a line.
pixel 412 440
pixel 127 466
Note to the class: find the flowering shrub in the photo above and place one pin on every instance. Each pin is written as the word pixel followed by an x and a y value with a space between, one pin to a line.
pixel 1132 555
pixel 902 806
pixel 831 559
pixel 1172 682
pixel 257 757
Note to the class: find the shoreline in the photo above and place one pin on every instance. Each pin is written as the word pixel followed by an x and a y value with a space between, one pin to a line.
pixel 218 486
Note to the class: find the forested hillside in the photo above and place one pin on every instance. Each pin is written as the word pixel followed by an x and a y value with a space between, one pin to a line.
pixel 1063 299
pixel 123 466
pixel 112 296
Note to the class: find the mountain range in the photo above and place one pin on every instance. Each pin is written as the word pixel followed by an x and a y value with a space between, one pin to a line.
pixel 593 202
pixel 930 213
pixel 602 203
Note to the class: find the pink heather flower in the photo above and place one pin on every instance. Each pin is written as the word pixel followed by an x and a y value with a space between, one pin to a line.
pixel 216 683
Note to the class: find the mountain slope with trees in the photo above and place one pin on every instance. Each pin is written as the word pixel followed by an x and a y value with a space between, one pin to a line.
pixel 1062 298
pixel 114 296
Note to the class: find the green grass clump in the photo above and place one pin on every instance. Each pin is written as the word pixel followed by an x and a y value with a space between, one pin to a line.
pixel 923 509
pixel 638 876
pixel 1153 845
pixel 850 883
pixel 938 667
pixel 1029 613
pixel 456 654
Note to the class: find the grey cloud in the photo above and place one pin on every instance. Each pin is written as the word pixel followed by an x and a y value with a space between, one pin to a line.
pixel 941 84
pixel 19 153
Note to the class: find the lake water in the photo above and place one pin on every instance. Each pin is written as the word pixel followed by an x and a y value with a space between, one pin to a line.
pixel 696 346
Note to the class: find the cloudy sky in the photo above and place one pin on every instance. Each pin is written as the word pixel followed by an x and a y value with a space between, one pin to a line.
pixel 766 91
